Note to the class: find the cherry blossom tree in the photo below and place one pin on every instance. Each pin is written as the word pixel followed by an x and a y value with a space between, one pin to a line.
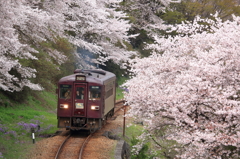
pixel 145 19
pixel 94 25
pixel 191 85
pixel 13 15
pixel 145 12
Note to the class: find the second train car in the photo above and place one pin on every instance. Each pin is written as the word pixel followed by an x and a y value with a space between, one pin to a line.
pixel 86 99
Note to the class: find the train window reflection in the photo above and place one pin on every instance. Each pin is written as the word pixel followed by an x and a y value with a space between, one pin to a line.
pixel 65 91
pixel 94 92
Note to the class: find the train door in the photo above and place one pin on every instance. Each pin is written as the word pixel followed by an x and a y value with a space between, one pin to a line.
pixel 80 99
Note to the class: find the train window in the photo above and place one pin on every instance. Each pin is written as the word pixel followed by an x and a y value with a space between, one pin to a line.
pixel 94 92
pixel 80 93
pixel 65 91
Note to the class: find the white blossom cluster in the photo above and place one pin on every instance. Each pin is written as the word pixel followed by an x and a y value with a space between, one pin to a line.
pixel 94 25
pixel 192 84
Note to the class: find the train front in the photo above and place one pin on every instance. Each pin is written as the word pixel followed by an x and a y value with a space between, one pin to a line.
pixel 80 102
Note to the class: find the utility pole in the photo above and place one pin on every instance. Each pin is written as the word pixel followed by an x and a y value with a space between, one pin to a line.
pixel 124 121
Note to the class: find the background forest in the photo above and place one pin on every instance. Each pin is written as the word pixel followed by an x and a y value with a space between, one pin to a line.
pixel 187 51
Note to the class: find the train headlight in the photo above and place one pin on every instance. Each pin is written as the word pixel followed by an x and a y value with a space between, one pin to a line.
pixel 64 106
pixel 93 107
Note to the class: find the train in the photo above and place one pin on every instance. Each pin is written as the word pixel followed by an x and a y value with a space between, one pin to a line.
pixel 86 99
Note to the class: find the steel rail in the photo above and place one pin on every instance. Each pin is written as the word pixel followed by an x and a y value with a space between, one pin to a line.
pixel 59 149
pixel 83 146
pixel 119 101
pixel 119 107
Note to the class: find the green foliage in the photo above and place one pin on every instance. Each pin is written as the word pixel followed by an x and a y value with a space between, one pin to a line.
pixel 188 10
pixel 143 153
pixel 119 94
pixel 172 17
pixel 63 45
pixel 205 8
pixel 71 33
pixel 153 145
pixel 66 68
pixel 135 16
pixel 51 71
pixel 132 19
pixel 126 45
pixel 134 131
pixel 46 71
pixel 17 96
pixel 119 90
pixel 114 68
pixel 140 41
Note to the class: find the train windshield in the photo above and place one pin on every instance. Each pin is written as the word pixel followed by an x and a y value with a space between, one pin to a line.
pixel 94 92
pixel 65 91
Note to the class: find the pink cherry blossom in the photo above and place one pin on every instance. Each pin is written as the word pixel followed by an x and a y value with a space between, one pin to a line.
pixel 192 84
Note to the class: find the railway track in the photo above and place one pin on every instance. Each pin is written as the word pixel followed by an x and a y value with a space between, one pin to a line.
pixel 73 145
pixel 119 105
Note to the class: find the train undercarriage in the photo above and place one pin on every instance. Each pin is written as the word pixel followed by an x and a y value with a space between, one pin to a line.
pixel 83 123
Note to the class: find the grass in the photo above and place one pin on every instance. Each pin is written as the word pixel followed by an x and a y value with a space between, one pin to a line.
pixel 148 149
pixel 119 90
pixel 112 152
pixel 17 120
pixel 119 93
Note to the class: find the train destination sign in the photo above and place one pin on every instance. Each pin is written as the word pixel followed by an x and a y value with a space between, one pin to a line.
pixel 80 78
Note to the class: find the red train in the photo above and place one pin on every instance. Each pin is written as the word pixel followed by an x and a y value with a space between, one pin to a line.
pixel 86 99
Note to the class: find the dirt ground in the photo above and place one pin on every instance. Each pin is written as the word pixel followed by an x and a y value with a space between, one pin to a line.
pixel 99 146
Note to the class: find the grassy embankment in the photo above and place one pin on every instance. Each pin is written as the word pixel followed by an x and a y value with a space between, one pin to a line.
pixel 16 121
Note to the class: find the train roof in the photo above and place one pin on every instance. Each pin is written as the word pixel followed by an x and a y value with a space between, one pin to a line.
pixel 93 76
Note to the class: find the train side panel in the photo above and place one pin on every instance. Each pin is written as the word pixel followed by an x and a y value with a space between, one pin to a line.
pixel 110 94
